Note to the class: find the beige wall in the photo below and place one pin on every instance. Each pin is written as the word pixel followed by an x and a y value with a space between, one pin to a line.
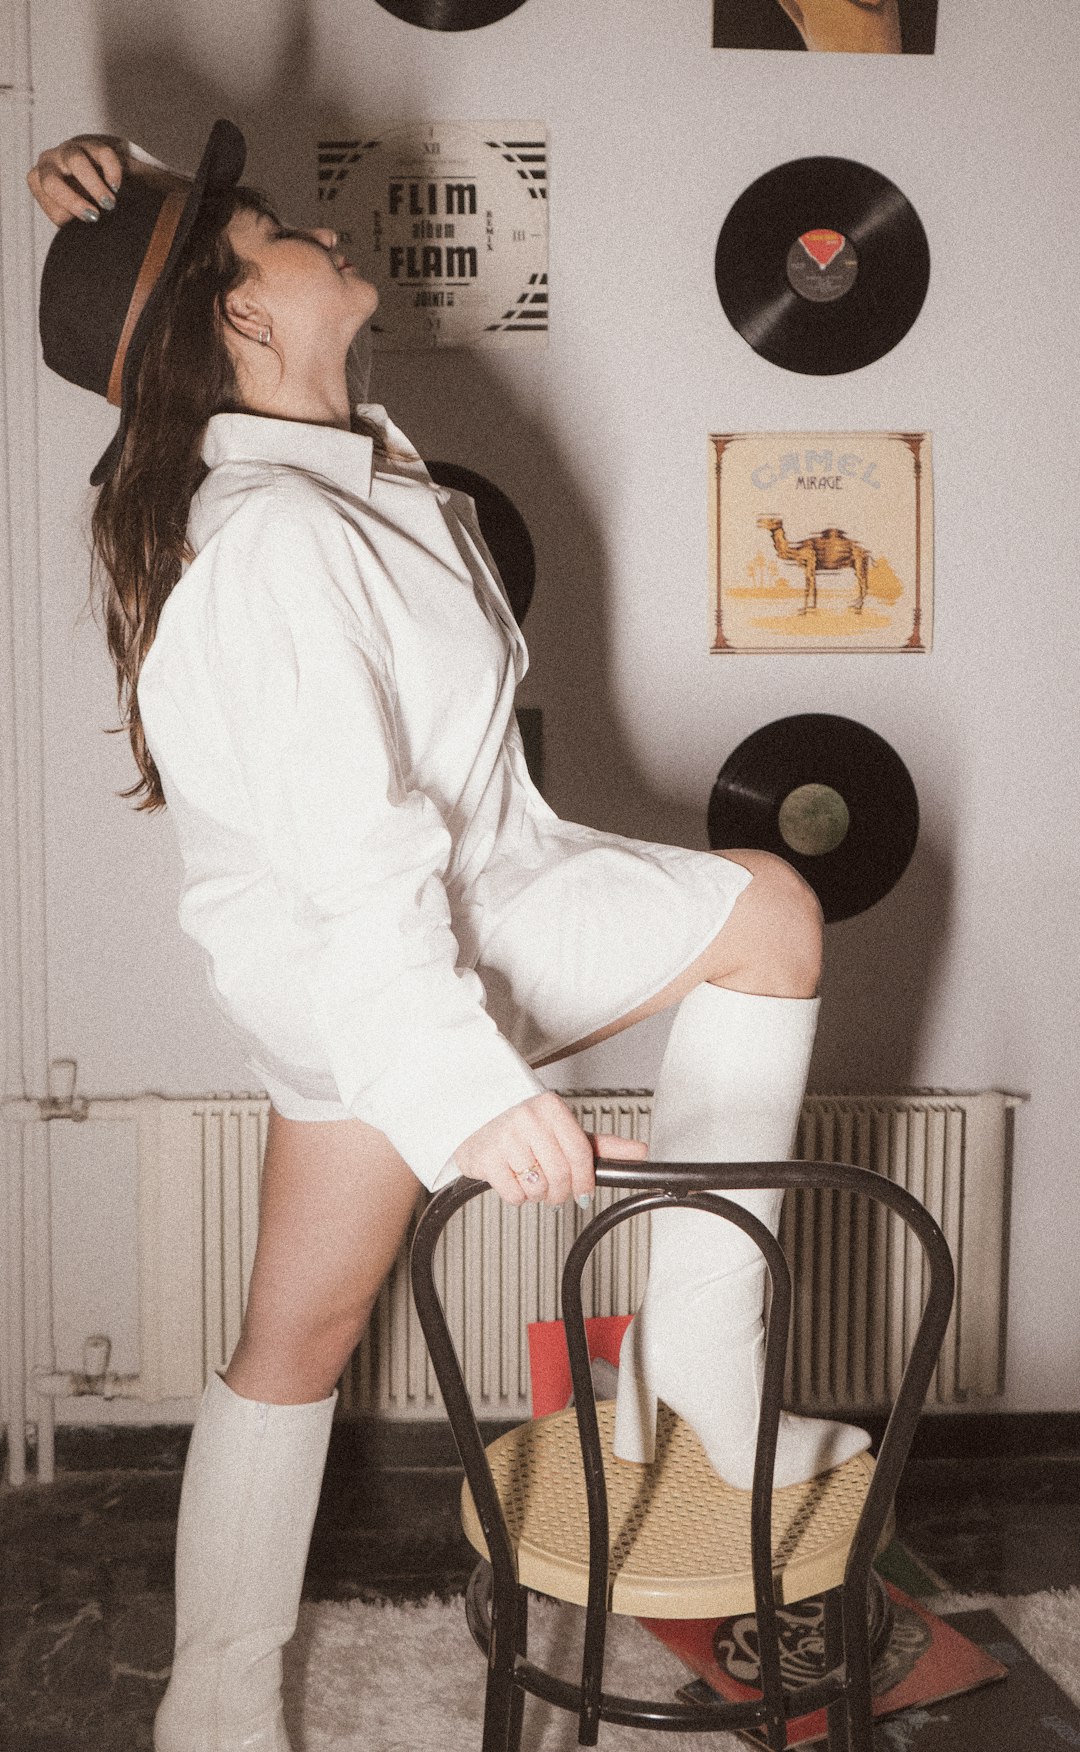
pixel 965 976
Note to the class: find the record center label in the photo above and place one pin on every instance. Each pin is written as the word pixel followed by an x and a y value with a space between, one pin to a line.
pixel 813 819
pixel 822 245
pixel 822 265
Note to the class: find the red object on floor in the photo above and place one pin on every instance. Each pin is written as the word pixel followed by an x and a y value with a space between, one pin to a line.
pixel 549 1359
pixel 926 1660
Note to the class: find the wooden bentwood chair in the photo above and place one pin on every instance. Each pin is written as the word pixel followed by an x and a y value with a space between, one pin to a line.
pixel 538 1502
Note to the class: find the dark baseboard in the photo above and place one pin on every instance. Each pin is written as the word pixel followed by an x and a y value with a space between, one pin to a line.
pixel 976 1438
pixel 991 1435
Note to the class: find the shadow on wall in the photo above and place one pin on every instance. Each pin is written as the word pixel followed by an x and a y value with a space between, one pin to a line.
pixel 881 974
pixel 455 405
pixel 463 410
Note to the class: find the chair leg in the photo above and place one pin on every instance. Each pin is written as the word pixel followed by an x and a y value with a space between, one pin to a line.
pixel 517 1692
pixel 774 1728
pixel 592 1678
pixel 836 1714
pixel 860 1704
pixel 498 1702
pixel 499 1705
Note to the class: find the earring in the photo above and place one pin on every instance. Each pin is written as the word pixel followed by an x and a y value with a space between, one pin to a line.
pixel 264 336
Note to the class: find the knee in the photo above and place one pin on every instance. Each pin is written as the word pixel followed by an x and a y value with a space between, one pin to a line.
pixel 799 916
pixel 285 1357
pixel 795 894
pixel 808 934
pixel 329 1336
pixel 787 927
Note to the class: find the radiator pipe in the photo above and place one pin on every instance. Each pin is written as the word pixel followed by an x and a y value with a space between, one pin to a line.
pixel 60 1385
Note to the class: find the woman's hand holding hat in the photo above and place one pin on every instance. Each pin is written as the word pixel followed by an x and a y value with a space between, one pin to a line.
pixel 93 160
pixel 97 163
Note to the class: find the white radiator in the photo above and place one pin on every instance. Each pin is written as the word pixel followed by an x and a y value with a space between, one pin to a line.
pixel 196 1168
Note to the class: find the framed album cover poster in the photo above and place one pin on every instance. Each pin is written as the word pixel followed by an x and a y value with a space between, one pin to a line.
pixel 449 220
pixel 853 27
pixel 820 541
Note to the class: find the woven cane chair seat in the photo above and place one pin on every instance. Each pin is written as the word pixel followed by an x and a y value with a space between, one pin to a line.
pixel 680 1536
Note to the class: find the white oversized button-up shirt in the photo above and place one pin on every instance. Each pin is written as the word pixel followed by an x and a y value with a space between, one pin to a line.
pixel 329 700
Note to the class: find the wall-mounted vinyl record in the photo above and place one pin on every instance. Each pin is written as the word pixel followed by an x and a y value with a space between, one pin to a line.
pixel 827 794
pixel 822 265
pixel 503 528
pixel 451 14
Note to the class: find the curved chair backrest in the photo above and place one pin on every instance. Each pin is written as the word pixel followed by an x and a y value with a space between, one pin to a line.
pixel 698 1186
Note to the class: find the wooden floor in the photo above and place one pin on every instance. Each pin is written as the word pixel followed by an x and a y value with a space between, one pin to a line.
pixel 86 1563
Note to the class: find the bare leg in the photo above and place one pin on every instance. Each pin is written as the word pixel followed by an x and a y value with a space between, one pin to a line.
pixel 334 1206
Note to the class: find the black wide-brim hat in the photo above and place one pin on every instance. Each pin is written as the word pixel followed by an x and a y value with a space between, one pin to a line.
pixel 102 283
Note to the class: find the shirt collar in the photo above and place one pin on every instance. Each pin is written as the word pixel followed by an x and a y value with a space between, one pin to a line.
pixel 344 458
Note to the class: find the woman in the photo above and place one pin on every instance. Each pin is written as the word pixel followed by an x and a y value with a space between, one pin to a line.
pixel 318 664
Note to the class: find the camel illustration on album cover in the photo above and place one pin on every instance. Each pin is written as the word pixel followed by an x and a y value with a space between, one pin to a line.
pixel 821 541
pixel 854 27
pixel 830 550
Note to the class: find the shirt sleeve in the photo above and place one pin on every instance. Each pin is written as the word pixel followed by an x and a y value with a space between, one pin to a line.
pixel 163 176
pixel 360 853
pixel 144 157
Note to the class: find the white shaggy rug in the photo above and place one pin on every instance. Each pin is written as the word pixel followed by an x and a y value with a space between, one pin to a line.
pixel 1047 1625
pixel 362 1678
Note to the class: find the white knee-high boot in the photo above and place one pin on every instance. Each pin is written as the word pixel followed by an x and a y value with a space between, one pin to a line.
pixel 247 1507
pixel 729 1088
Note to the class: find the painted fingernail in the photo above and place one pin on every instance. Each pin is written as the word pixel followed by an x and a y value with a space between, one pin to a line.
pixel 584 1199
pixel 115 187
pixel 108 203
pixel 90 213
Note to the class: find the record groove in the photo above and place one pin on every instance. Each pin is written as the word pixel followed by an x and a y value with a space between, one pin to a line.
pixel 829 795
pixel 822 265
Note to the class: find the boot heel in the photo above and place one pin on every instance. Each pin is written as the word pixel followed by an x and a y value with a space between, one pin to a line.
pixel 635 1410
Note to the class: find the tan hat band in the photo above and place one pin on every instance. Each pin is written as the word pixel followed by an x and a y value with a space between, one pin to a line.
pixel 157 251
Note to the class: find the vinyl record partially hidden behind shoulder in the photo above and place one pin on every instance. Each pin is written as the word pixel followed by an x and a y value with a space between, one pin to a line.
pixel 451 14
pixel 503 528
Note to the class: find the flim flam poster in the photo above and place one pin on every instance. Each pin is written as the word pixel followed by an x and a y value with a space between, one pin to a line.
pixel 450 221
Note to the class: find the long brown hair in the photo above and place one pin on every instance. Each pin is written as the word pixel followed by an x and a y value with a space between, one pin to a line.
pixel 139 520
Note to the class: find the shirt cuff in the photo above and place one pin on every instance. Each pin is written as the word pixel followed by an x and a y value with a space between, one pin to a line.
pixel 143 157
pixel 444 1088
